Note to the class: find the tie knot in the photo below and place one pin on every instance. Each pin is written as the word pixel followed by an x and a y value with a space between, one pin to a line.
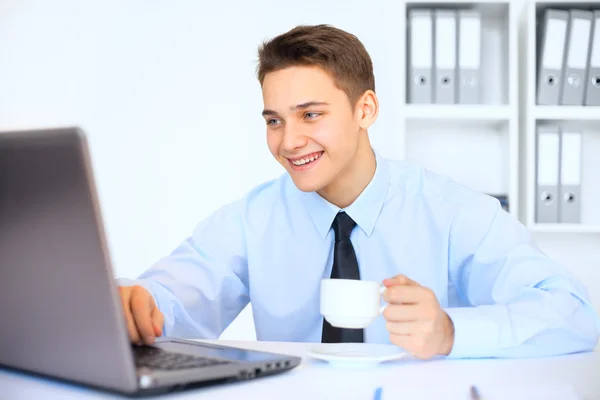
pixel 342 226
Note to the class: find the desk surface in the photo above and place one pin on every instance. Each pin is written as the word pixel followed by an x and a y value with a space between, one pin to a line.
pixel 407 378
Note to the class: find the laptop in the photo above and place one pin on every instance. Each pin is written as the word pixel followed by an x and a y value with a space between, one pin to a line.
pixel 61 313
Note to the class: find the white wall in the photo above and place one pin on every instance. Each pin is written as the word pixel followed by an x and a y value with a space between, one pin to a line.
pixel 167 94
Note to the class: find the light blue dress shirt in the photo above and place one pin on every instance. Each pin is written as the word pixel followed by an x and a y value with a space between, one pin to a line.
pixel 275 245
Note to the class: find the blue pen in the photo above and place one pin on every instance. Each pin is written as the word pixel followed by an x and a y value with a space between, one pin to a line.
pixel 475 393
pixel 377 395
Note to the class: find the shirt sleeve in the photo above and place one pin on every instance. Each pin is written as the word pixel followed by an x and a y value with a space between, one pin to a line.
pixel 519 302
pixel 203 284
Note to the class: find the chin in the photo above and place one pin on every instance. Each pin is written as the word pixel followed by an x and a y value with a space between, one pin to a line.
pixel 308 185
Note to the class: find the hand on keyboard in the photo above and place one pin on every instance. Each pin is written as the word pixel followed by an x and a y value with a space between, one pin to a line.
pixel 144 319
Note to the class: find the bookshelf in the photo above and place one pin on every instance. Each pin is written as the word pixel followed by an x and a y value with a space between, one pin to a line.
pixel 486 135
pixel 573 113
pixel 565 228
pixel 459 112
pixel 584 119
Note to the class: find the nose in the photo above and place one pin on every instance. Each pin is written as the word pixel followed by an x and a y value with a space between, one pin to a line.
pixel 293 139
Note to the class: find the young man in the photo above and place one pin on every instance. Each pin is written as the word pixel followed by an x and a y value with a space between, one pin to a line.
pixel 464 277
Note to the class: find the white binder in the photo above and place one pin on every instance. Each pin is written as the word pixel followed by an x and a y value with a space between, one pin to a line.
pixel 421 56
pixel 576 60
pixel 548 159
pixel 445 56
pixel 569 197
pixel 549 82
pixel 469 57
pixel 592 92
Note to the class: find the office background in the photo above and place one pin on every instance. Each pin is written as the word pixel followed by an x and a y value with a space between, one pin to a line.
pixel 167 93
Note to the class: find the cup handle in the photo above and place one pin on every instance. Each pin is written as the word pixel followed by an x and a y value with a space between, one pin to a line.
pixel 381 292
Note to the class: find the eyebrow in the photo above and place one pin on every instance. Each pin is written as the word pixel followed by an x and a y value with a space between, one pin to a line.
pixel 297 106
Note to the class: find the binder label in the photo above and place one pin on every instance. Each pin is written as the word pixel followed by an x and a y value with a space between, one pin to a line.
pixel 555 41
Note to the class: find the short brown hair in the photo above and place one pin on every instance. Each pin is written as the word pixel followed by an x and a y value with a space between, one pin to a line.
pixel 338 52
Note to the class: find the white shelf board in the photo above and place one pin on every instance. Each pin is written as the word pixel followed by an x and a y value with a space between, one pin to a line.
pixel 576 113
pixel 565 228
pixel 565 3
pixel 457 112
pixel 411 3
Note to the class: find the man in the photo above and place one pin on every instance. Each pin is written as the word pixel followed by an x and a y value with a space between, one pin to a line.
pixel 464 278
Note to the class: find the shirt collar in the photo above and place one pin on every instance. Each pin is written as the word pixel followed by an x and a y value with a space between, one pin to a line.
pixel 365 209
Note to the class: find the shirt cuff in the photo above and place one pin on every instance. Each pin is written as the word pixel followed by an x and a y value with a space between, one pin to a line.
pixel 126 282
pixel 476 330
pixel 136 282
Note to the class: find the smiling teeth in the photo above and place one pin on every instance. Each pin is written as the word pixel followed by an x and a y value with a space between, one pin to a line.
pixel 303 161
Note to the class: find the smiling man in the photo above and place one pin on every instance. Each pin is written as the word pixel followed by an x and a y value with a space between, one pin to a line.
pixel 464 277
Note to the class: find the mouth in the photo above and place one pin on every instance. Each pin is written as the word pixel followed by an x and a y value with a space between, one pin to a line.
pixel 305 162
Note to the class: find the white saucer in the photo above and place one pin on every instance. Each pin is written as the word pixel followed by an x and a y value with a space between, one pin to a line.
pixel 361 355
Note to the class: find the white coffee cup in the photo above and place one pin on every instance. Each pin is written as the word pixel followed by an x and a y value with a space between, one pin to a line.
pixel 351 303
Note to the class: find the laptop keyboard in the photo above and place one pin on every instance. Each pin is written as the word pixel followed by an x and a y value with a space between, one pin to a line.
pixel 158 359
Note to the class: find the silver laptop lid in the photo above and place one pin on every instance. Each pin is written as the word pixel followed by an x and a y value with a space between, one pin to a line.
pixel 61 314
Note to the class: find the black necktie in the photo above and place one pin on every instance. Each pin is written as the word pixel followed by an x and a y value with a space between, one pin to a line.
pixel 345 266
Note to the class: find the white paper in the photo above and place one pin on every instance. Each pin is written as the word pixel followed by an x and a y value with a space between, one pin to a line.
pixel 496 391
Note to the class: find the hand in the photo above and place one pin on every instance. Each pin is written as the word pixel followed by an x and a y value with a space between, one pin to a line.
pixel 144 319
pixel 415 320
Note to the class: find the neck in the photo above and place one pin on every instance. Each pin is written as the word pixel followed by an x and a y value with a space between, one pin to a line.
pixel 351 182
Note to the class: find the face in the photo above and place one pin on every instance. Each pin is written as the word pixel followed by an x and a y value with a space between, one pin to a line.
pixel 312 129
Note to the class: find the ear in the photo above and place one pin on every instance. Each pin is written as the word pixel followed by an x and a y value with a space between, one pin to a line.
pixel 367 109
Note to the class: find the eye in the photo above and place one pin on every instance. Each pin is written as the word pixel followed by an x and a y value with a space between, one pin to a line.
pixel 311 115
pixel 273 121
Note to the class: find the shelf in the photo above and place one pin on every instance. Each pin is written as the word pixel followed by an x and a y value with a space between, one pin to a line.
pixel 565 3
pixel 437 147
pixel 457 112
pixel 469 3
pixel 575 113
pixel 580 118
pixel 565 228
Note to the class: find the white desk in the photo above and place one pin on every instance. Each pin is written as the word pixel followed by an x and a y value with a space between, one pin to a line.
pixel 447 379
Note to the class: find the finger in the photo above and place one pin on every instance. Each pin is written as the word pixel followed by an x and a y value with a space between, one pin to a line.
pixel 141 308
pixel 402 313
pixel 404 294
pixel 399 280
pixel 414 344
pixel 158 320
pixel 125 294
pixel 404 328
pixel 404 341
